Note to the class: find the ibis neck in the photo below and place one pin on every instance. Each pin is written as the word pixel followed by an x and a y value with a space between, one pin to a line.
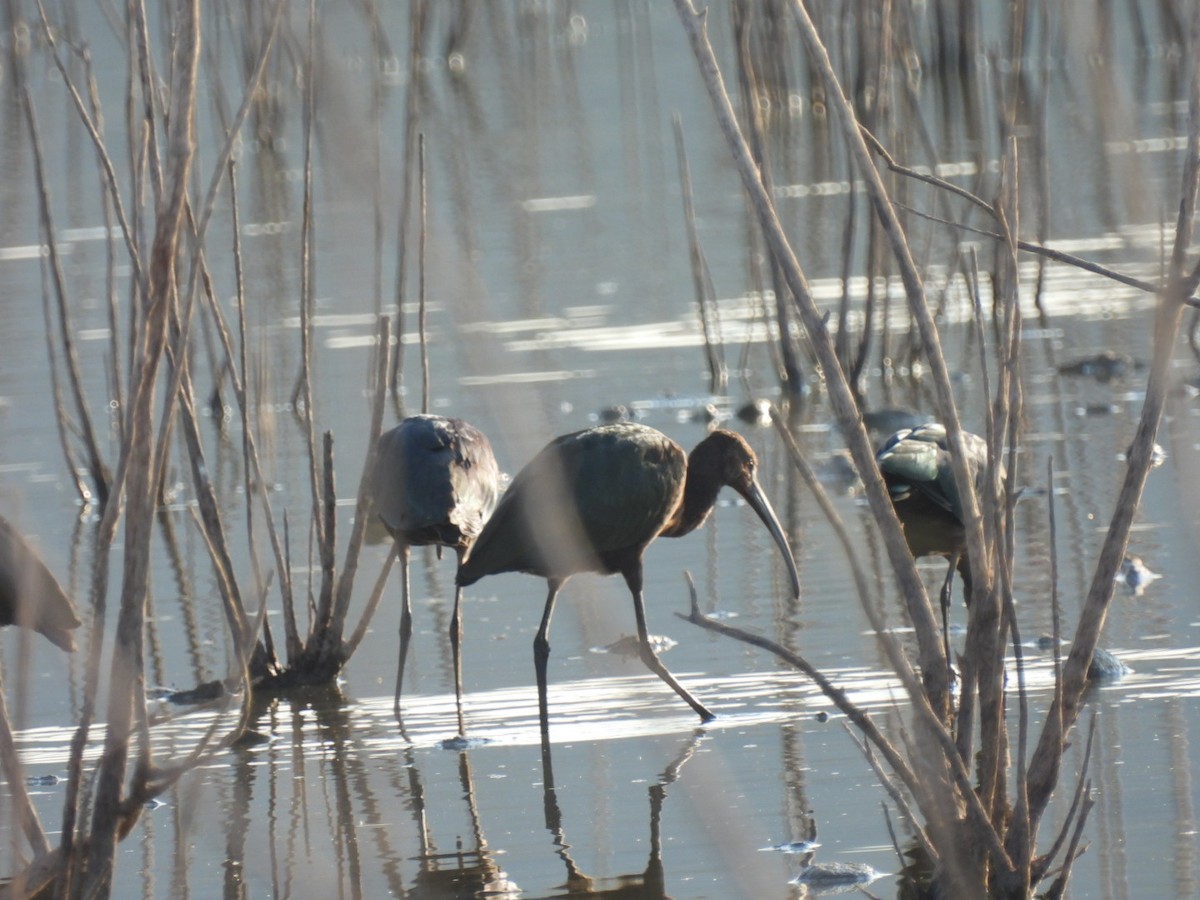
pixel 699 498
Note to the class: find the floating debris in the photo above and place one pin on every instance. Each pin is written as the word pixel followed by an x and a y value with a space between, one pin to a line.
pixel 202 693
pixel 756 412
pixel 1093 410
pixel 708 413
pixel 43 780
pixel 721 615
pixel 1106 667
pixel 459 742
pixel 1158 455
pixel 793 847
pixel 1135 576
pixel 154 803
pixel 629 645
pixel 1104 366
pixel 829 878
pixel 839 472
pixel 251 738
pixel 1046 642
pixel 610 414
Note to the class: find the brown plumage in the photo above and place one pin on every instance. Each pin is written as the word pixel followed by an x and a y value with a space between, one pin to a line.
pixel 593 501
pixel 30 595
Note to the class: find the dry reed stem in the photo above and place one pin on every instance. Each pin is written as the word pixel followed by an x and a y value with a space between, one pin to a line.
pixel 412 118
pixel 898 798
pixel 93 129
pixel 1008 410
pixel 127 680
pixel 791 377
pixel 363 503
pixel 328 545
pixel 180 389
pixel 254 481
pixel 809 477
pixel 372 602
pixel 422 296
pixel 302 397
pixel 210 519
pixel 1038 249
pixel 701 277
pixel 66 330
pixel 61 419
pixel 1082 786
pixel 10 763
pixel 249 452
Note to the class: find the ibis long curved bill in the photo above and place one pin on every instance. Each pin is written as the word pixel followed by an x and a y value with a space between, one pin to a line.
pixel 762 507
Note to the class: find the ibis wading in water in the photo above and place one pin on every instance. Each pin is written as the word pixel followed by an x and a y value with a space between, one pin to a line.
pixel 30 595
pixel 915 463
pixel 592 501
pixel 436 482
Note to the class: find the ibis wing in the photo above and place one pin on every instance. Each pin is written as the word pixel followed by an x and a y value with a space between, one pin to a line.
pixel 30 595
pixel 584 495
pixel 918 459
pixel 474 480
pixel 626 481
pixel 435 480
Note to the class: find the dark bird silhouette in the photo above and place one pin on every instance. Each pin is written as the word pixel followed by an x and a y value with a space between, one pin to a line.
pixel 436 482
pixel 30 595
pixel 592 501
pixel 915 463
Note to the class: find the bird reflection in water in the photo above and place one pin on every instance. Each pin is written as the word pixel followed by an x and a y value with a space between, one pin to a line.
pixel 649 884
pixel 461 872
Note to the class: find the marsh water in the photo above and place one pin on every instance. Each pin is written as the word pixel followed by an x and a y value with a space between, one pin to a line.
pixel 559 286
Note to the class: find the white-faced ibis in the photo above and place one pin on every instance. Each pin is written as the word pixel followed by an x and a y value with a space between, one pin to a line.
pixel 30 595
pixel 592 501
pixel 915 463
pixel 436 482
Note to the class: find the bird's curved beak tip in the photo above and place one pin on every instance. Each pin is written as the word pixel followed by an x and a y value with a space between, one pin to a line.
pixel 762 506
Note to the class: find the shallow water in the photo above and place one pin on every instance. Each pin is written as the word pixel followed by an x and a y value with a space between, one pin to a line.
pixel 559 285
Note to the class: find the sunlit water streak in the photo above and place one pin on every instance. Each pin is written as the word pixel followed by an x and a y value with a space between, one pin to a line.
pixel 622 708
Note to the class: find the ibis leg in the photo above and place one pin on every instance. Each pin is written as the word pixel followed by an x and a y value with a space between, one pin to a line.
pixel 456 649
pixel 541 653
pixel 455 652
pixel 946 598
pixel 633 577
pixel 405 629
pixel 964 572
